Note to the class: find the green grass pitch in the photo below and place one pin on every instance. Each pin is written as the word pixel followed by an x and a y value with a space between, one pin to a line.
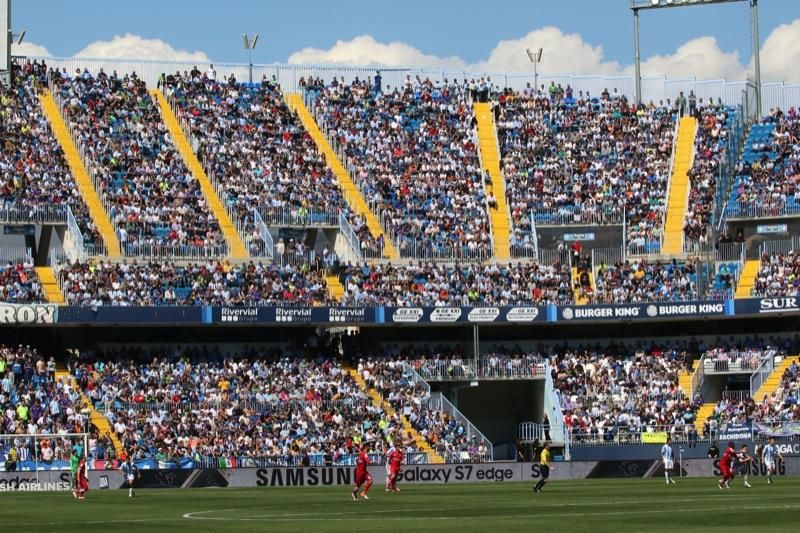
pixel 593 505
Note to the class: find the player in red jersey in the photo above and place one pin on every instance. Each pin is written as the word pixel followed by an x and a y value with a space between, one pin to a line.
pixel 395 460
pixel 726 466
pixel 363 476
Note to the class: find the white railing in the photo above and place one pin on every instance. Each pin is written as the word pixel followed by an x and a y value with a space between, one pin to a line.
pixel 735 395
pixel 18 214
pixel 300 216
pixel 554 413
pixel 531 431
pixel 74 246
pixel 697 379
pixel 576 215
pixel 16 255
pixel 483 368
pixel 669 180
pixel 168 252
pixel 263 232
pixel 654 88
pixel 760 375
pixel 438 402
pixel 349 234
pixel 734 365
pixel 736 209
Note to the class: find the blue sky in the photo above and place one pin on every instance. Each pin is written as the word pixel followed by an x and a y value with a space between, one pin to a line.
pixel 467 29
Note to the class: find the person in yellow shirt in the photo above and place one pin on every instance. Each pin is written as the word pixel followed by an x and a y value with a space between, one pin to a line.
pixel 544 467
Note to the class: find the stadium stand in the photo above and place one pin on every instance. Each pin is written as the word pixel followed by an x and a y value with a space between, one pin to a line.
pixel 572 158
pixel 152 198
pixel 641 281
pixel 19 283
pixel 779 275
pixel 414 155
pixel 37 180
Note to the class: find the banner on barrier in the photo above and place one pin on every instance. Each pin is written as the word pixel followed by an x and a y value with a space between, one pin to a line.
pixel 475 315
pixel 28 314
pixel 641 311
pixel 752 306
pixel 786 429
pixel 657 437
pixel 292 315
pixel 735 431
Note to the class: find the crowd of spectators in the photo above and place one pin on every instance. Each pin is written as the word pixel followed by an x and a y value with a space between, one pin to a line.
pixel 643 281
pixel 569 157
pixel 769 184
pixel 779 275
pixel 711 141
pixel 132 283
pixel 607 394
pixel 414 153
pixel 250 408
pixel 429 284
pixel 442 431
pixel 256 149
pixel 34 175
pixel 20 284
pixel 32 402
pixel 153 199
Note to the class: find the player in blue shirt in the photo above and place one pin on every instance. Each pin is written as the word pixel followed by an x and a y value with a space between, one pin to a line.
pixel 770 456
pixel 131 474
pixel 666 456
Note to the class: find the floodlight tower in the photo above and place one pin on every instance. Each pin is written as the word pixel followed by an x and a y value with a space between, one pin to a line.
pixel 249 45
pixel 643 5
pixel 535 58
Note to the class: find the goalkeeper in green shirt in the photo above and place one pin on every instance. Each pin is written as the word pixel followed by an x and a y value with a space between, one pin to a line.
pixel 74 462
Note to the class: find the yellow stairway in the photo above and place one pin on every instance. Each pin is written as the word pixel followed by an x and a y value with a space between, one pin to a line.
pixel 80 174
pixel 706 410
pixel 50 285
pixel 378 401
pixel 685 379
pixel 351 192
pixel 335 287
pixel 576 287
pixel 236 247
pixel 770 385
pixel 490 156
pixel 100 422
pixel 679 188
pixel 748 278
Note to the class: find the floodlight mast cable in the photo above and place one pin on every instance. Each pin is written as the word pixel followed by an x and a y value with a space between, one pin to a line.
pixel 639 5
pixel 249 45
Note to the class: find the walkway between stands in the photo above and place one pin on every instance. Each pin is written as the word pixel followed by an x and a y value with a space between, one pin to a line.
pixel 80 174
pixel 490 159
pixel 773 381
pixel 50 285
pixel 351 192
pixel 236 247
pixel 679 187
pixel 747 278
pixel 95 417
pixel 378 401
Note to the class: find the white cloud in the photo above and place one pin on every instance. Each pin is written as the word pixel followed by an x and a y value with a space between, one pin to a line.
pixel 365 50
pixel 701 58
pixel 29 49
pixel 137 47
pixel 570 53
pixel 780 54
pixel 563 53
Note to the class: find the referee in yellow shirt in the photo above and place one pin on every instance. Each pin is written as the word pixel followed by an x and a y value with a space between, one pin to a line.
pixel 544 467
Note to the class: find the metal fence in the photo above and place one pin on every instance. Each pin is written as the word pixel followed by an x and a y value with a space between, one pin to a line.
pixel 16 255
pixel 733 365
pixel 438 402
pixel 780 247
pixel 627 436
pixel 654 88
pixel 483 368
pixel 299 216
pixel 34 214
pixel 169 252
pixel 760 375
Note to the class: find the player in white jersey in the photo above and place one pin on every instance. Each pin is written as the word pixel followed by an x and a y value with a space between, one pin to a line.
pixel 770 456
pixel 740 463
pixel 666 456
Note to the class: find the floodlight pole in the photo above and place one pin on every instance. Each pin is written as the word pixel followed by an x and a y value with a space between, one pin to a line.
pixel 756 54
pixel 637 5
pixel 637 58
pixel 249 45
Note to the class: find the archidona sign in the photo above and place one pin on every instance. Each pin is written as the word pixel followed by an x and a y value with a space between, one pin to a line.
pixel 28 314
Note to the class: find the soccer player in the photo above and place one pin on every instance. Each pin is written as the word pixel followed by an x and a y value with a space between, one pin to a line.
pixel 768 456
pixel 74 464
pixel 725 465
pixel 666 456
pixel 389 453
pixel 362 474
pixel 395 460
pixel 544 467
pixel 82 482
pixel 740 462
pixel 131 474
